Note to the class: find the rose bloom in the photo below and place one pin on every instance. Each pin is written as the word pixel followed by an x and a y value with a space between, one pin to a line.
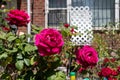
pixel 87 56
pixel 81 70
pixel 49 41
pixel 105 72
pixel 118 69
pixel 113 60
pixel 18 18
pixel 72 30
pixel 106 60
pixel 6 29
pixel 111 78
pixel 114 73
pixel 66 25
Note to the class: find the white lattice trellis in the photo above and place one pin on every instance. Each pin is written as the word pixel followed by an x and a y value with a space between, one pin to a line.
pixel 81 17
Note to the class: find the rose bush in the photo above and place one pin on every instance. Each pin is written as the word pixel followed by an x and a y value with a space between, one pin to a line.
pixel 51 49
pixel 49 41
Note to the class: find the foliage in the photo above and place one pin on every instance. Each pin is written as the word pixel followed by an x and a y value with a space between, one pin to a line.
pixel 19 60
pixel 107 45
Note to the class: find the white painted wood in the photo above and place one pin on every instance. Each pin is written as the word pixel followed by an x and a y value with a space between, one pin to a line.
pixel 47 9
pixel 81 17
pixel 46 13
pixel 29 13
pixel 68 10
pixel 117 12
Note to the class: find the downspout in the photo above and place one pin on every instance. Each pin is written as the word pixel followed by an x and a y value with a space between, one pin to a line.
pixel 29 24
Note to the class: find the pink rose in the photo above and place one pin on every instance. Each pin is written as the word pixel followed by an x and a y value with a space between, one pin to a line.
pixel 105 72
pixel 18 18
pixel 49 41
pixel 87 56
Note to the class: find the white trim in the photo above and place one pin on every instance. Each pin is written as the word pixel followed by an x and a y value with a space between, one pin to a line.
pixel 116 10
pixel 68 10
pixel 57 8
pixel 29 24
pixel 46 13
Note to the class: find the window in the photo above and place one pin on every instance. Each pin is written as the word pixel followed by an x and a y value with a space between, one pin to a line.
pixel 57 12
pixel 104 11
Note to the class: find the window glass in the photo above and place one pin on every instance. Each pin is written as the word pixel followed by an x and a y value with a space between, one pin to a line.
pixel 57 4
pixel 103 10
pixel 57 17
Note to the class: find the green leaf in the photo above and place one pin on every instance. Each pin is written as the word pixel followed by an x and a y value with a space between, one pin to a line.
pixel 4 55
pixel 5 76
pixel 11 38
pixel 18 41
pixel 27 62
pixel 57 76
pixel 29 47
pixel 32 60
pixel 61 74
pixel 2 35
pixel 64 33
pixel 11 51
pixel 19 56
pixel 37 28
pixel 53 77
pixel 19 64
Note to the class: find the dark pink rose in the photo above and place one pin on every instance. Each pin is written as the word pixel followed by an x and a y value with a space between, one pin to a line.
pixel 112 78
pixel 18 18
pixel 114 72
pixel 66 25
pixel 81 70
pixel 87 56
pixel 49 41
pixel 106 60
pixel 6 29
pixel 118 69
pixel 72 31
pixel 105 72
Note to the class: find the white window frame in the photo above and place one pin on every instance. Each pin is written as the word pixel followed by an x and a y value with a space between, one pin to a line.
pixel 117 9
pixel 47 11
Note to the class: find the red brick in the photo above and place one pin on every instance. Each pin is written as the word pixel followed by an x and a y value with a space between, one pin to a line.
pixel 38 12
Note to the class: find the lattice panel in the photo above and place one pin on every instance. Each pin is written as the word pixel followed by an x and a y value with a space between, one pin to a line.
pixel 81 17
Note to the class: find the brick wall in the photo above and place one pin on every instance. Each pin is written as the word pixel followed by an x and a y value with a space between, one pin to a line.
pixel 37 11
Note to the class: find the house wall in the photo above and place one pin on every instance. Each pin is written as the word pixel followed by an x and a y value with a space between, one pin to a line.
pixel 38 18
pixel 37 10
